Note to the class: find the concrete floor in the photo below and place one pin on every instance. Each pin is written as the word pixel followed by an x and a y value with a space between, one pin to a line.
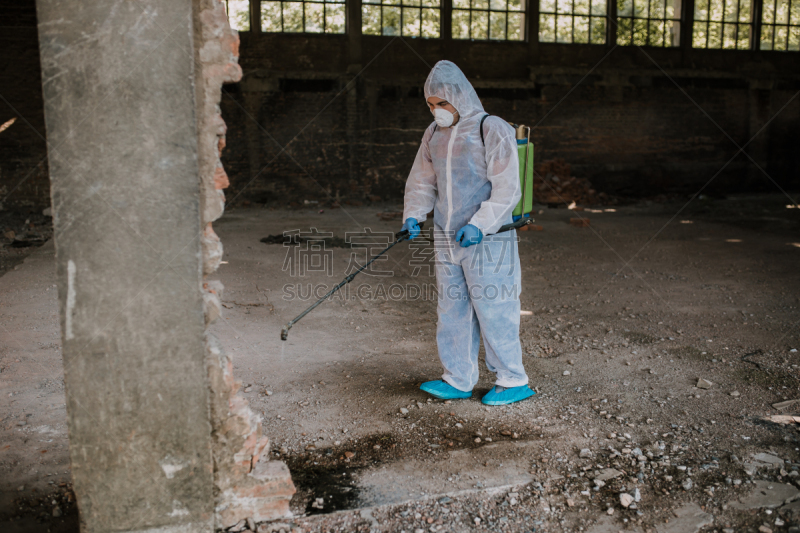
pixel 627 314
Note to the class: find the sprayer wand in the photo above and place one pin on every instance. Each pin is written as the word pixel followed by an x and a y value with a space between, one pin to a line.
pixel 399 237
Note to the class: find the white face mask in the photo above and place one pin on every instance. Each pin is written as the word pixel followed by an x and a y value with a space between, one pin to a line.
pixel 443 117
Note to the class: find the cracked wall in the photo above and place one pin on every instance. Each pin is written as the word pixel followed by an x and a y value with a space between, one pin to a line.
pixel 247 484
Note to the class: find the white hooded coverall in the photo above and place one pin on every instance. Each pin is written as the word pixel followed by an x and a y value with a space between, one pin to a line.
pixel 465 182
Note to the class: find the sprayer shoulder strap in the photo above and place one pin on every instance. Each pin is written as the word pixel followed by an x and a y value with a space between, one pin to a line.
pixel 483 141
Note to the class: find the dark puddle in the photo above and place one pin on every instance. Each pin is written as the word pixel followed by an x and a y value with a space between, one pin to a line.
pixel 328 474
pixel 331 484
pixel 324 478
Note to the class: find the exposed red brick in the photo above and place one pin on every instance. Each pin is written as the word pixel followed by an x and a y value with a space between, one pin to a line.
pixel 262 495
pixel 233 43
pixel 246 487
pixel 221 179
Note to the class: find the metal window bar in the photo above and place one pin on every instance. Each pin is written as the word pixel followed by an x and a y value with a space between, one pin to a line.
pixel 592 21
pixel 649 19
pixel 633 26
pixel 283 3
pixel 633 12
pixel 404 8
pixel 506 25
pixel 738 12
pixel 572 17
pixel 724 24
pixel 556 16
pixel 488 12
pixel 419 32
pixel 736 25
pixel 774 20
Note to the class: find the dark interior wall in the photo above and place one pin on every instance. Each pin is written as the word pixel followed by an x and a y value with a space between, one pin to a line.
pixel 634 121
pixel 350 113
pixel 24 182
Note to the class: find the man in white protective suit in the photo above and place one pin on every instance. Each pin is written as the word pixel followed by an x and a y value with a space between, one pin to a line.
pixel 471 181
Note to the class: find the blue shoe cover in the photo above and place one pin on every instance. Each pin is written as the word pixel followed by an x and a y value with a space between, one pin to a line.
pixel 444 391
pixel 504 396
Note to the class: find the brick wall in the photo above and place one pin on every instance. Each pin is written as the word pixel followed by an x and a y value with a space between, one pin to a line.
pixel 626 126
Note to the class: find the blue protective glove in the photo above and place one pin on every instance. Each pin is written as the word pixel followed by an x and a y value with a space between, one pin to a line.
pixel 469 235
pixel 412 226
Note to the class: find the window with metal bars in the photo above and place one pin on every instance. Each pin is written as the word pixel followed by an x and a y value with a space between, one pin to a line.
pixel 572 21
pixel 304 16
pixel 780 25
pixel 238 14
pixel 410 18
pixel 649 22
pixel 496 20
pixel 726 24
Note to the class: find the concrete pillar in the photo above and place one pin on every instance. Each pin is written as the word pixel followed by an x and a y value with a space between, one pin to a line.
pixel 118 82
pixel 160 439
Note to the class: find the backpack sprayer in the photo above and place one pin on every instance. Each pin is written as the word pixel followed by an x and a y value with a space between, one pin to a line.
pixel 522 210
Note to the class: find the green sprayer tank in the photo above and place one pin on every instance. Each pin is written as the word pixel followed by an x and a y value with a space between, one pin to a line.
pixel 525 151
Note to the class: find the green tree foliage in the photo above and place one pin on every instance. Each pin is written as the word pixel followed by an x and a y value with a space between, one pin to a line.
pixel 488 19
pixel 238 14
pixel 648 22
pixel 722 24
pixel 780 28
pixel 563 21
pixel 316 16
pixel 409 18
